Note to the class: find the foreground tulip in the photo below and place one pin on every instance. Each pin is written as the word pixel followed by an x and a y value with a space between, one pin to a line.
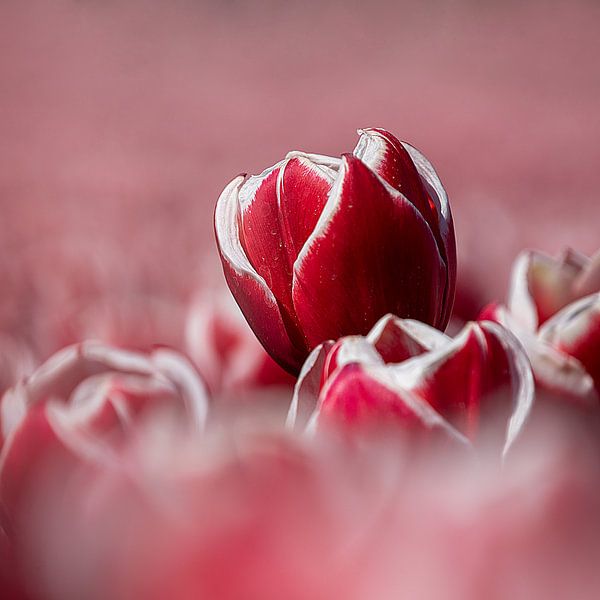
pixel 554 309
pixel 409 375
pixel 83 405
pixel 316 247
pixel 300 518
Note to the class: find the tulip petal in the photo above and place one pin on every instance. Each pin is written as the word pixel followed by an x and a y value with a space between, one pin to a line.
pixel 372 243
pixel 465 381
pixel 504 346
pixel 588 281
pixel 302 191
pixel 439 201
pixel 279 210
pixel 255 299
pixel 554 370
pixel 29 449
pixel 453 379
pixel 264 242
pixel 359 396
pixel 392 161
pixel 178 370
pixel 576 331
pixel 384 153
pixel 397 339
pixel 541 285
pixel 308 386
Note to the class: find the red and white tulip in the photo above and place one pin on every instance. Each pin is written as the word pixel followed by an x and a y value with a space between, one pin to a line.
pixel 407 374
pixel 317 247
pixel 82 405
pixel 554 309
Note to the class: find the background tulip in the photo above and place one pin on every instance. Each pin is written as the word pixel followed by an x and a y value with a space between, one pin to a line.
pixel 82 405
pixel 553 306
pixel 317 247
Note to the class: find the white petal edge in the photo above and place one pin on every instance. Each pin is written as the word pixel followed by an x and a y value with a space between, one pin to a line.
pixel 332 206
pixel 555 370
pixel 589 280
pixel 228 238
pixel 523 387
pixel 519 301
pixel 306 390
pixel 184 376
pixel 384 375
pixel 331 163
pixel 247 192
pixel 369 147
pixel 427 171
pixel 573 318
pixel 428 337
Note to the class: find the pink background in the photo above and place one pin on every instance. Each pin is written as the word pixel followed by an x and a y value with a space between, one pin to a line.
pixel 121 122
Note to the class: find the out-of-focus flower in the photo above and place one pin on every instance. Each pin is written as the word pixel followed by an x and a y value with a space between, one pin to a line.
pixel 554 308
pixel 83 404
pixel 224 349
pixel 265 516
pixel 315 247
pixel 16 361
pixel 409 374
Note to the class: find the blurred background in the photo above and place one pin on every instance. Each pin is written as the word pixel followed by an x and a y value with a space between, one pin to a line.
pixel 121 122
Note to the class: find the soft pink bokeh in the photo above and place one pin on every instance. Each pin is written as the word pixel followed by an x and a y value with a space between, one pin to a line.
pixel 122 121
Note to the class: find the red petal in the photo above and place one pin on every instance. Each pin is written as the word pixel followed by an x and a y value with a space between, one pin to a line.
pixel 541 286
pixel 279 210
pixel 384 154
pixel 554 370
pixel 370 254
pixel 264 243
pixel 359 397
pixel 308 386
pixel 302 189
pixel 576 332
pixel 445 231
pixel 455 383
pixel 589 280
pixel 478 380
pixel 255 299
pixel 392 160
pixel 354 397
pixel 397 339
pixel 30 451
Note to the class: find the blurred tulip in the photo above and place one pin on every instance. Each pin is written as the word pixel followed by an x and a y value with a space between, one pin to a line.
pixel 408 374
pixel 82 404
pixel 265 516
pixel 316 247
pixel 554 308
pixel 224 349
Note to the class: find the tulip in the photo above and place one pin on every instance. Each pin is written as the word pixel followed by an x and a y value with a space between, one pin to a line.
pixel 409 375
pixel 315 247
pixel 553 307
pixel 82 405
pixel 225 350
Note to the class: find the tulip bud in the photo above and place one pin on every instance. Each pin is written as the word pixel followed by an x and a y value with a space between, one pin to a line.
pixel 405 374
pixel 82 405
pixel 316 248
pixel 553 308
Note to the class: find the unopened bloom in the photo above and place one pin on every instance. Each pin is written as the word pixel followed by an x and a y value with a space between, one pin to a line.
pixel 82 405
pixel 225 350
pixel 315 247
pixel 407 374
pixel 553 307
